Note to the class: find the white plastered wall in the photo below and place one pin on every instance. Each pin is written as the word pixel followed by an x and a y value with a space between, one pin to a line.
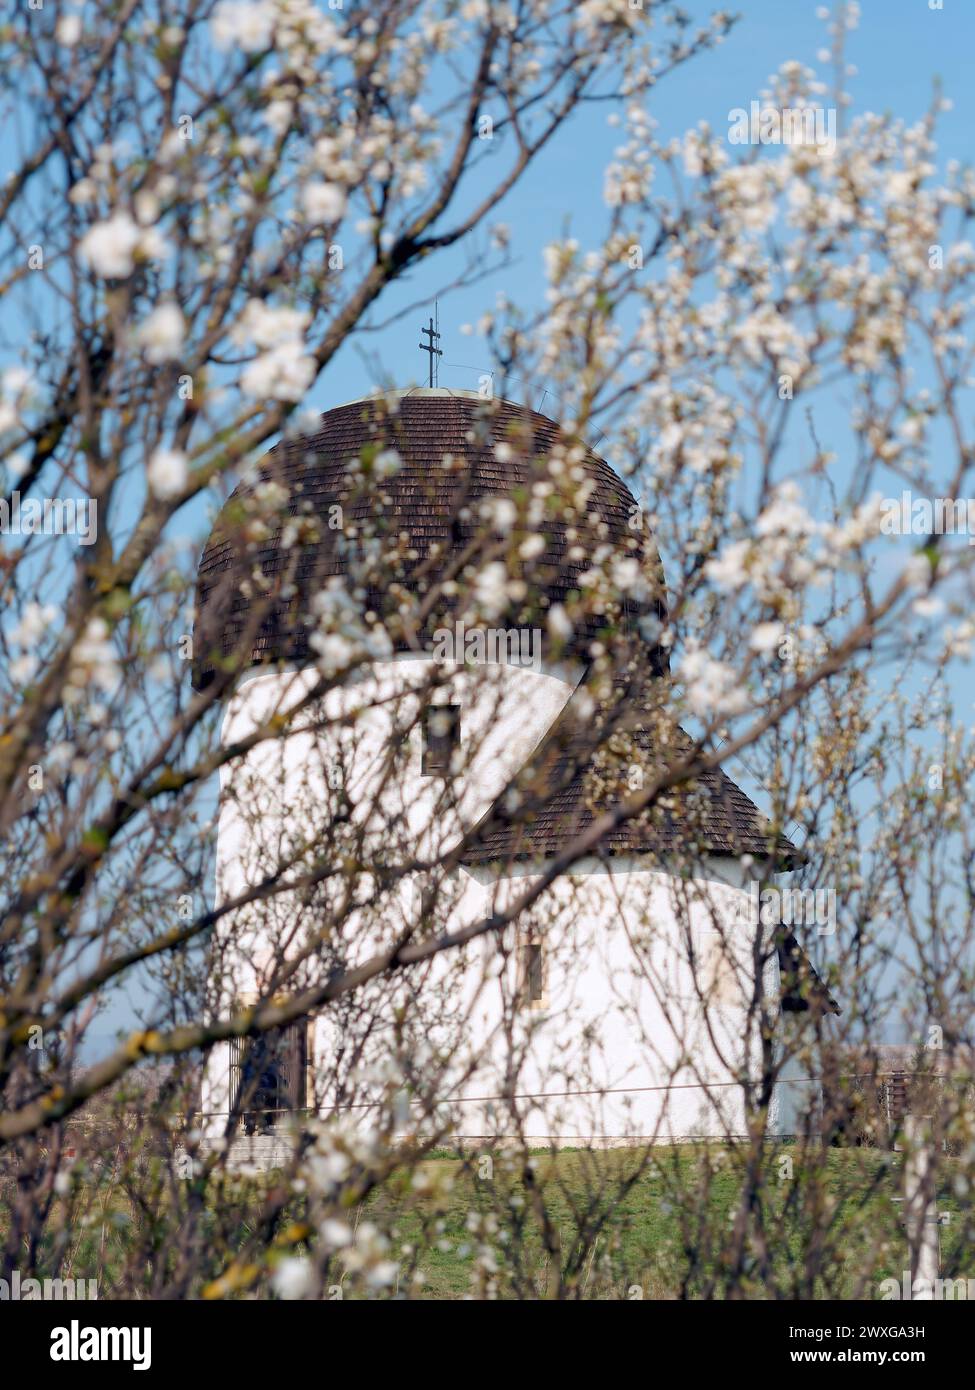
pixel 620 1047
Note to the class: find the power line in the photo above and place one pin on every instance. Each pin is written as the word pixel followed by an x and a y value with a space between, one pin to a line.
pixel 559 1095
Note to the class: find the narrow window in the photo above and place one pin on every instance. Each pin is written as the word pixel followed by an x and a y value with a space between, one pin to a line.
pixel 532 973
pixel 441 735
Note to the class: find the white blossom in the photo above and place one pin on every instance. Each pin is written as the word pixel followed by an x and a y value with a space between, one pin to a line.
pixel 278 115
pixel 68 30
pixel 559 623
pixel 323 202
pixel 167 473
pixel 335 1234
pixel 386 463
pixel 293 1277
pixel 532 546
pixel 765 637
pixel 729 570
pixel 161 334
pixel 284 373
pixel 491 589
pixel 244 24
pixel 35 621
pixel 110 247
pixel 711 687
pixel 93 658
pixel 23 667
pixel 501 514
pixel 266 326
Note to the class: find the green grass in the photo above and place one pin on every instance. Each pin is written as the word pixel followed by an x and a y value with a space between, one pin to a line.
pixel 670 1234
pixel 628 1224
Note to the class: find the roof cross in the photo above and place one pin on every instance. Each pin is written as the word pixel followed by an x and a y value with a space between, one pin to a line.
pixel 428 347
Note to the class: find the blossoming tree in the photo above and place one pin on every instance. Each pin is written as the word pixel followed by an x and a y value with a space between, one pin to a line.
pixel 201 209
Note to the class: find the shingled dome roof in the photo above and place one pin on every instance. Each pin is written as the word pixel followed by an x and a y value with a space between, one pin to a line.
pixel 423 510
pixel 274 547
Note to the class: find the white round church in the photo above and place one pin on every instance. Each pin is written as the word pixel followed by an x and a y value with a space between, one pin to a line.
pixel 416 586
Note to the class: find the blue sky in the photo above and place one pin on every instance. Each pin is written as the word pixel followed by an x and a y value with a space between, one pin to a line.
pixel 900 48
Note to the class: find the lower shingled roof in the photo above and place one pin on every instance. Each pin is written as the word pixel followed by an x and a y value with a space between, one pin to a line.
pixel 572 781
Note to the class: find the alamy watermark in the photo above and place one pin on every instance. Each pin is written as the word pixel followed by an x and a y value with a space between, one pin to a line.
pixel 789 907
pixel 786 125
pixel 927 1290
pixel 50 516
pixel 15 1289
pixel 77 1343
pixel 506 646
pixel 908 515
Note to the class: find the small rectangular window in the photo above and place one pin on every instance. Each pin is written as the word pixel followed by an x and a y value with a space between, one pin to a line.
pixel 441 735
pixel 532 973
